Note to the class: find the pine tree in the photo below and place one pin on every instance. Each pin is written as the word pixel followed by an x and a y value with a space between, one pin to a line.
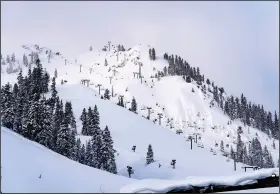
pixel 44 136
pixel 83 155
pixel 267 159
pixel 108 157
pixel 95 122
pixel 78 151
pixel 150 54
pixel 106 62
pixel 57 121
pixel 45 82
pixel 55 73
pixel 153 54
pixel 63 144
pixel 7 107
pixel 222 146
pixel 98 149
pixel 133 105
pixel 245 159
pixel 84 119
pixel 239 148
pixel 150 155
pixel 88 154
pixel 107 94
pixel 69 116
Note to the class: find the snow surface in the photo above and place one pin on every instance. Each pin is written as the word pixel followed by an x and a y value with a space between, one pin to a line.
pixel 23 161
pixel 163 186
pixel 181 106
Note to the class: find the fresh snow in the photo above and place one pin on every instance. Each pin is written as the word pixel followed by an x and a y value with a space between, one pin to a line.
pixel 163 186
pixel 23 161
pixel 186 110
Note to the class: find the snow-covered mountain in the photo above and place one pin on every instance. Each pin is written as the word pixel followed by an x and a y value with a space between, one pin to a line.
pixel 184 107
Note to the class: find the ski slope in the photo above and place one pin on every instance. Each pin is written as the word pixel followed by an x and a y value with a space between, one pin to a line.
pixel 23 162
pixel 171 96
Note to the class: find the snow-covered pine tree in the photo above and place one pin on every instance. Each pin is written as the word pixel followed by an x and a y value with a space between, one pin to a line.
pixel 18 111
pixel 106 62
pixel 98 149
pixel 55 73
pixel 7 107
pixel 108 156
pixel 57 121
pixel 239 149
pixel 150 155
pixel 63 144
pixel 45 135
pixel 245 159
pixel 133 105
pixel 53 98
pixel 89 154
pixel 32 119
pixel 257 153
pixel 45 82
pixel 13 58
pixel 267 158
pixel 153 52
pixel 78 151
pixel 83 155
pixel 95 122
pixel 90 122
pixel 222 149
pixel 107 94
pixel 69 116
pixel 84 119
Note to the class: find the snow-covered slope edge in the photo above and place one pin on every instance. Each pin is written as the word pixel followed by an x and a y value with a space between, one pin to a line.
pixel 163 186
pixel 23 161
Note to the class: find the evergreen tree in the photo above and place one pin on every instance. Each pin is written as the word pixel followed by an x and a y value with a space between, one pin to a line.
pixel 108 157
pixel 239 148
pixel 107 94
pixel 150 54
pixel 222 146
pixel 133 105
pixel 106 62
pixel 63 143
pixel 98 150
pixel 69 116
pixel 245 159
pixel 150 155
pixel 78 151
pixel 44 136
pixel 13 58
pixel 267 159
pixel 89 154
pixel 83 155
pixel 84 119
pixel 153 52
pixel 7 107
pixel 55 73
pixel 95 122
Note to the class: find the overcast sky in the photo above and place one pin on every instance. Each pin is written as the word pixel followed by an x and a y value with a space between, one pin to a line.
pixel 236 44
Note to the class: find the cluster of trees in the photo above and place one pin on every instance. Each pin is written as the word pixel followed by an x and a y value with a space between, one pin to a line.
pixel 25 110
pixel 99 151
pixel 120 48
pixel 236 108
pixel 152 54
pixel 255 155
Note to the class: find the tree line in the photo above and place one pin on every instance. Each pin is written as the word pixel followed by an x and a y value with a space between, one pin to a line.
pixel 249 113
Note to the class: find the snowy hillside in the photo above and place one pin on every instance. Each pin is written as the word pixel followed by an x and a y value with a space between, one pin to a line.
pixel 183 107
pixel 23 162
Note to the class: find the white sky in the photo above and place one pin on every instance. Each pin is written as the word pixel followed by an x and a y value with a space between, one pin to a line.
pixel 236 44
